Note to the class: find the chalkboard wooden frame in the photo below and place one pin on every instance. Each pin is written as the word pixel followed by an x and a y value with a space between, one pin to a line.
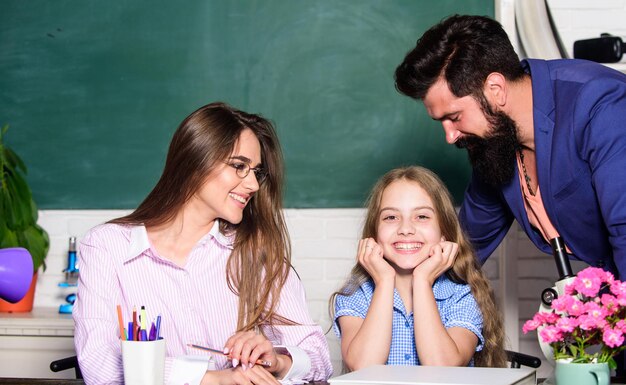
pixel 93 90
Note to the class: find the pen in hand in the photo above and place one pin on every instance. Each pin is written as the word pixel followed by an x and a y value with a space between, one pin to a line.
pixel 258 362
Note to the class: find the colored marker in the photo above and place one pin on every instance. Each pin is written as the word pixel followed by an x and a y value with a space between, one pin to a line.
pixel 143 319
pixel 152 335
pixel 120 320
pixel 135 336
pixel 158 327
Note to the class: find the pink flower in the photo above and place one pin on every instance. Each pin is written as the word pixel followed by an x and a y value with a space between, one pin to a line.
pixel 551 318
pixel 567 324
pixel 589 281
pixel 619 290
pixel 583 317
pixel 597 273
pixel 540 319
pixel 589 322
pixel 594 310
pixel 568 304
pixel 560 303
pixel 612 337
pixel 531 324
pixel 569 289
pixel 610 303
pixel 548 318
pixel 550 334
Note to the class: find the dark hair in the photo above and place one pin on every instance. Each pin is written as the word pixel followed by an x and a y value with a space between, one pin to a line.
pixel 463 50
pixel 259 263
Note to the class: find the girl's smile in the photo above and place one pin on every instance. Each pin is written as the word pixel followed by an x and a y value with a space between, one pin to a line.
pixel 408 246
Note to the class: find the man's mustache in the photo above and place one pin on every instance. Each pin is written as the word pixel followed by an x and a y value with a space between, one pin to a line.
pixel 470 141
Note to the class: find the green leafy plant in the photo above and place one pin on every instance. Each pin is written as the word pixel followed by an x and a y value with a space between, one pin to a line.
pixel 18 212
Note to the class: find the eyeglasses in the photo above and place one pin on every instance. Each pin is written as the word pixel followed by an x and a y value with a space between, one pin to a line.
pixel 243 169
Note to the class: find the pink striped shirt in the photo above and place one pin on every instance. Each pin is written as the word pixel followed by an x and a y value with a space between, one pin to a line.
pixel 119 266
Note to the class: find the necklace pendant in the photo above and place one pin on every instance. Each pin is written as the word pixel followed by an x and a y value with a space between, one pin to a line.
pixel 526 177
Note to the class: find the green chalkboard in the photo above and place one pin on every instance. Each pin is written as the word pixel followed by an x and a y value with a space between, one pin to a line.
pixel 93 90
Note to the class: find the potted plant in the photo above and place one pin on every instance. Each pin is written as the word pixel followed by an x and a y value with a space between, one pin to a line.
pixel 585 328
pixel 18 216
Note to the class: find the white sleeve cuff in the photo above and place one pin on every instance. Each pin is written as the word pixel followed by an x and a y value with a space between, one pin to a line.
pixel 300 364
pixel 188 370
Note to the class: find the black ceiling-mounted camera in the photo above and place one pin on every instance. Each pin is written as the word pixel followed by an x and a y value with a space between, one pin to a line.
pixel 604 49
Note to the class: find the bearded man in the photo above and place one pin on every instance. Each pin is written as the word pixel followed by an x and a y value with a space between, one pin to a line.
pixel 546 139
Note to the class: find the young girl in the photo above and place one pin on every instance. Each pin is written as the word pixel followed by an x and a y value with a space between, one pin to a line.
pixel 417 295
pixel 208 251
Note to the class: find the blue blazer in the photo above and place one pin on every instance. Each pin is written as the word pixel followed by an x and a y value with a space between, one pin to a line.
pixel 579 117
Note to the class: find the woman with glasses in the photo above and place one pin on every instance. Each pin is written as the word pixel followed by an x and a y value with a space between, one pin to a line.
pixel 207 251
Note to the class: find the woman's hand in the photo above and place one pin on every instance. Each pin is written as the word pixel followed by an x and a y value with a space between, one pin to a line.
pixel 256 375
pixel 441 258
pixel 370 256
pixel 246 348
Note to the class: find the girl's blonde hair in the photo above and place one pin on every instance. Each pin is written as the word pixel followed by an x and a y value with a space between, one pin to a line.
pixel 466 268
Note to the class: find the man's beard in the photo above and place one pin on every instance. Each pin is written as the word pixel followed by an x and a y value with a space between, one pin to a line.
pixel 494 157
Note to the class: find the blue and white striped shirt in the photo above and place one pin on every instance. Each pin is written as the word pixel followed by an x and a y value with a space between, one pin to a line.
pixel 455 302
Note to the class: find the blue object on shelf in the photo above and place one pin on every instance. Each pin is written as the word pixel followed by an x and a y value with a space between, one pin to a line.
pixel 71 278
pixel 67 308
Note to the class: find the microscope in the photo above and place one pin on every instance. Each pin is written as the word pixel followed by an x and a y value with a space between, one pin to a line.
pixel 551 293
pixel 71 278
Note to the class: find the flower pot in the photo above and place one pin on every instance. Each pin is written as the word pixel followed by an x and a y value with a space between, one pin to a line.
pixel 582 374
pixel 25 304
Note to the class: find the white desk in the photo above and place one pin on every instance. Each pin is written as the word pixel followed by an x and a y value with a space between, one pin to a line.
pixel 30 341
pixel 435 375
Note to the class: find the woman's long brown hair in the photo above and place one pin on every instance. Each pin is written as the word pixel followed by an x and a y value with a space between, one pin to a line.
pixel 259 263
pixel 466 268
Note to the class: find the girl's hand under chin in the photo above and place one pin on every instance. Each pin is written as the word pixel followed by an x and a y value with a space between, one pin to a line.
pixel 441 258
pixel 370 256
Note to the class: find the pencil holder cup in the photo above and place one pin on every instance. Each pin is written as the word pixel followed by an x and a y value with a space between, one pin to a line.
pixel 144 362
